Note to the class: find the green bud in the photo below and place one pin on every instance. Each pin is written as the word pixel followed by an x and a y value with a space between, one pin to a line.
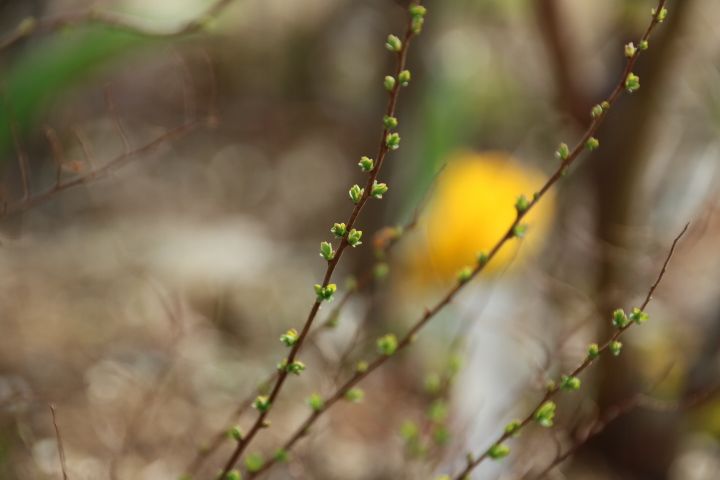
pixel 545 414
pixel 438 411
pixel 605 105
pixel 619 319
pixel 366 164
pixel 356 193
pixel 26 26
pixel 519 230
pixel 482 258
pixel 282 456
pixel 593 351
pixel 235 433
pixel 326 251
pixel 351 283
pixel 339 230
pixel 289 338
pixel 354 238
pixel 569 383
pixel 464 274
pixel 296 367
pixel 325 293
pixel 498 451
pixel 443 477
pixel 404 78
pixel 632 83
pixel 261 403
pixel 393 141
pixel 522 204
pixel 387 344
pixel 416 24
pixel 616 348
pixel 389 83
pixel 644 45
pixel 630 50
pixel 361 366
pixel 638 316
pixel 254 462
pixel 455 363
pixel 316 402
pixel 592 143
pixel 432 383
pixel 393 43
pixel 441 435
pixel 596 111
pixel 390 123
pixel 661 15
pixel 563 152
pixel 233 475
pixel 513 428
pixel 378 189
pixel 417 10
pixel 381 270
pixel 355 395
pixel 409 430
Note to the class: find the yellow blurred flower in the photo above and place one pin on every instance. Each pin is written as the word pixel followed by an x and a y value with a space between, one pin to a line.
pixel 472 206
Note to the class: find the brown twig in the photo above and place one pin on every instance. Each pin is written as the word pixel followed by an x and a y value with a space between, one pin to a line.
pixel 637 401
pixel 34 200
pixel 510 234
pixel 117 21
pixel 384 241
pixel 61 449
pixel 112 110
pixel 332 263
pixel 590 359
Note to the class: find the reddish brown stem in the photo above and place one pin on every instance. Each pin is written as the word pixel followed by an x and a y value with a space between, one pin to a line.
pixel 332 264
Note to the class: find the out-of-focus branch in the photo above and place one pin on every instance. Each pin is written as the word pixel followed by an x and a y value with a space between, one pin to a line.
pixel 29 201
pixel 473 462
pixel 644 401
pixel 571 96
pixel 384 242
pixel 31 26
pixel 61 448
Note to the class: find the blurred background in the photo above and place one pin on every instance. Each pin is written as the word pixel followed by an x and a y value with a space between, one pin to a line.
pixel 164 199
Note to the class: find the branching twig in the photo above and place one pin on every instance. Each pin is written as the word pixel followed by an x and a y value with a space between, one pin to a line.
pixel 117 21
pixel 555 389
pixel 516 229
pixel 384 241
pixel 362 198
pixel 61 449
pixel 637 401
pixel 31 201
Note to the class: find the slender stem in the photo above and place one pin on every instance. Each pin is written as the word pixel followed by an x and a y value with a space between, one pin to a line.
pixel 30 26
pixel 61 448
pixel 428 314
pixel 384 245
pixel 31 201
pixel 552 392
pixel 383 150
pixel 636 401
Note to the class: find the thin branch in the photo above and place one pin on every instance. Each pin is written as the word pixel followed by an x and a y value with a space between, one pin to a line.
pixel 589 360
pixel 384 242
pixel 643 401
pixel 112 110
pixel 510 234
pixel 394 95
pixel 113 20
pixel 100 172
pixel 61 449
